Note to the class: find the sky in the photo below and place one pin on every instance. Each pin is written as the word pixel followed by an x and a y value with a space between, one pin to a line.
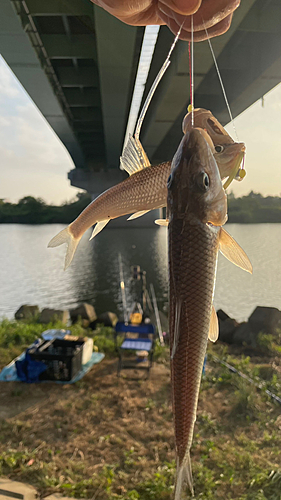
pixel 34 161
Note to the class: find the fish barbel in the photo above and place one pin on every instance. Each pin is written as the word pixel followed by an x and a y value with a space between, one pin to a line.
pixel 197 208
pixel 144 190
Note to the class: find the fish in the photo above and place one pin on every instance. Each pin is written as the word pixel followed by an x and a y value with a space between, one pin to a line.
pixel 197 210
pixel 145 189
pixel 225 147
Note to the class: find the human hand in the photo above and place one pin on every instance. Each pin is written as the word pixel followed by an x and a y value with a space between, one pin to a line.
pixel 215 15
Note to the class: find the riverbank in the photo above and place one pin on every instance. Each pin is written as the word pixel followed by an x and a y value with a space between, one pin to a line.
pixel 250 209
pixel 108 438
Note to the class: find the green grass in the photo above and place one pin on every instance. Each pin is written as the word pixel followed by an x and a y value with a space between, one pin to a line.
pixel 112 439
pixel 16 336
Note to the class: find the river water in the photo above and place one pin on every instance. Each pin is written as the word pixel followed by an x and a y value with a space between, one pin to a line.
pixel 31 273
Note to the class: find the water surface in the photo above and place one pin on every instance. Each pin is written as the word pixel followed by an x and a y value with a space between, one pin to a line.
pixel 31 273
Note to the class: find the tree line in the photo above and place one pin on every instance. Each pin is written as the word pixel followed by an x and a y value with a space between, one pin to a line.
pixel 253 208
pixel 30 210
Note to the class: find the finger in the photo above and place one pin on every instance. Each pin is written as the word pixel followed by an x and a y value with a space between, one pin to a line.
pixel 219 29
pixel 126 8
pixel 198 36
pixel 141 13
pixel 210 13
pixel 184 7
pixel 149 17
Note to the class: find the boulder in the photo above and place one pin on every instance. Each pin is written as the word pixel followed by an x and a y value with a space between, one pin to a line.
pixel 222 315
pixel 26 312
pixel 108 319
pixel 265 319
pixel 243 335
pixel 84 311
pixel 13 489
pixel 227 328
pixel 50 315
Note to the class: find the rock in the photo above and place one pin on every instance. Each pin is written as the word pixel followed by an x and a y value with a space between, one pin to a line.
pixel 14 489
pixel 222 315
pixel 84 311
pixel 108 319
pixel 50 315
pixel 26 312
pixel 243 335
pixel 265 319
pixel 227 328
pixel 57 496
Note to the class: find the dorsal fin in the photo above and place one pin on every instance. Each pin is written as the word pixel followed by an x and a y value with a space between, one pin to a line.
pixel 134 157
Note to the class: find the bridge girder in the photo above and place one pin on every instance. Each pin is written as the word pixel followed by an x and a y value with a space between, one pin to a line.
pixel 79 65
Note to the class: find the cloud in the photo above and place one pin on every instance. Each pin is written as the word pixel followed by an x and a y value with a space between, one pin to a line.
pixel 33 159
pixel 35 162
pixel 260 128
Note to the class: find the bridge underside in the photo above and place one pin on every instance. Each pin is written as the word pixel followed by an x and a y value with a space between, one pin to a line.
pixel 79 66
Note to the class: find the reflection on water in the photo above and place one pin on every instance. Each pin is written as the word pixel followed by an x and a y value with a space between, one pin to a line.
pixel 31 273
pixel 237 292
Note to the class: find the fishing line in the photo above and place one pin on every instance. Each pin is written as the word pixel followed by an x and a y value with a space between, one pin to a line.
pixel 190 88
pixel 221 82
pixel 260 385
pixel 155 84
pixel 191 72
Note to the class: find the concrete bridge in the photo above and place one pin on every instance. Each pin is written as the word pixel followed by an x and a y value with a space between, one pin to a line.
pixel 79 65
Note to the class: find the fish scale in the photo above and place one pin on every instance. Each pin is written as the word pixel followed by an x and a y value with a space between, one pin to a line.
pixel 197 209
pixel 194 249
pixel 130 196
pixel 146 188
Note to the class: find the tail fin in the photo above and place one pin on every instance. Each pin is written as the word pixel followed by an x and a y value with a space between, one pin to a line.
pixel 65 236
pixel 184 474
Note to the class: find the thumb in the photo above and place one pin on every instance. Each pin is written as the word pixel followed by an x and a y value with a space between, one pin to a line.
pixel 184 7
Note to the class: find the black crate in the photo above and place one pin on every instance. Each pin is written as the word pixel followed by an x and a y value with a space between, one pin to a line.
pixel 63 358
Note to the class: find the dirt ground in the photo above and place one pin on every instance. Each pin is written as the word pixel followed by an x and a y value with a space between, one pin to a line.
pixel 97 420
pixel 107 437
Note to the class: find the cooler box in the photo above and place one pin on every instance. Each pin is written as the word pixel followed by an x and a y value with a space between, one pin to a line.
pixel 63 358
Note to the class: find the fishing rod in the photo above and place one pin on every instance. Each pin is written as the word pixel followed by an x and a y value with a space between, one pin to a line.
pixel 123 292
pixel 157 316
pixel 249 379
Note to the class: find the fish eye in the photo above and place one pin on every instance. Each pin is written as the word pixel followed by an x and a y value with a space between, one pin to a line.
pixel 203 181
pixel 219 148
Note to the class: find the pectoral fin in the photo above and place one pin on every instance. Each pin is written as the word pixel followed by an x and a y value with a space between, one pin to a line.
pixel 98 227
pixel 233 252
pixel 138 214
pixel 162 222
pixel 214 326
